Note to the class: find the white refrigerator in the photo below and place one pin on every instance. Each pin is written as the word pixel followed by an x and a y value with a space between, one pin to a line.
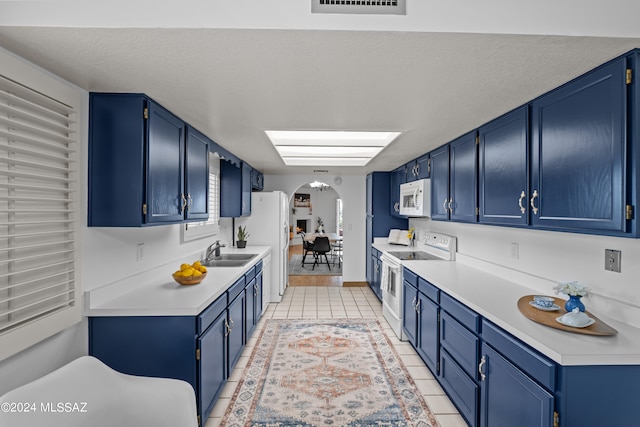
pixel 268 225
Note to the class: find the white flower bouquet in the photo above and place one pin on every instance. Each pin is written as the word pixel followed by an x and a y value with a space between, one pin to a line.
pixel 571 288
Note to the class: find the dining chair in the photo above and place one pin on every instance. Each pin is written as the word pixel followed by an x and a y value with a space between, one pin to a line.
pixel 321 246
pixel 336 252
pixel 306 248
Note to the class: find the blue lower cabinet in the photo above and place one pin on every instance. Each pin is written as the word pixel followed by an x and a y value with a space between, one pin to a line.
pixel 236 338
pixel 428 334
pixel 212 365
pixel 250 308
pixel 409 313
pixel 510 397
pixel 461 389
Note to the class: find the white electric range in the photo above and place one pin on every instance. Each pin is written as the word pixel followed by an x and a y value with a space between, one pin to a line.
pixel 437 247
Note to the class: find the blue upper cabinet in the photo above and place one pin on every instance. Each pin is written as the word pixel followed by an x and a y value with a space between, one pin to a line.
pixel 418 168
pixel 503 169
pixel 454 174
pixel 235 189
pixel 257 180
pixel 137 170
pixel 578 153
pixel 440 183
pixel 463 182
pixel 197 175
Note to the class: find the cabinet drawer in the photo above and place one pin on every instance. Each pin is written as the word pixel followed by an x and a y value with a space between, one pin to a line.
pixel 211 313
pixel 528 360
pixel 410 276
pixel 461 389
pixel 235 289
pixel 461 344
pixel 460 312
pixel 250 274
pixel 428 290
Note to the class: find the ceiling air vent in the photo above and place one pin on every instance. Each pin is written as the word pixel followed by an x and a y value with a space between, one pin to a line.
pixel 363 7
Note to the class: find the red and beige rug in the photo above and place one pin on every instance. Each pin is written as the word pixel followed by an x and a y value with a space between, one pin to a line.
pixel 331 372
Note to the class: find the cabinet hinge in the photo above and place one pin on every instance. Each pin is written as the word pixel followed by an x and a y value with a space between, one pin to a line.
pixel 477 140
pixel 429 166
pixel 198 419
pixel 144 209
pixel 556 419
pixel 629 212
pixel 438 316
pixel 477 211
pixel 198 354
pixel 146 113
pixel 629 76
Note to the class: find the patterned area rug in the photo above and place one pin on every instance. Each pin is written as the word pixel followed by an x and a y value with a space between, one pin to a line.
pixel 296 268
pixel 312 373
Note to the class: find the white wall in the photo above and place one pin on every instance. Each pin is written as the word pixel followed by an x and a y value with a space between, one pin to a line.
pixel 352 191
pixel 551 257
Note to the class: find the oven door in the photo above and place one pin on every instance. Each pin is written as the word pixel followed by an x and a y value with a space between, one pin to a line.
pixel 391 287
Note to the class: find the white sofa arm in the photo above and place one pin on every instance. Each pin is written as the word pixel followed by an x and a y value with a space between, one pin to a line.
pixel 86 392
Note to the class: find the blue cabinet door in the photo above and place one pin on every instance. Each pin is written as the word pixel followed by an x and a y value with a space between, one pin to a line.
pixel 235 337
pixel 504 169
pixel 212 366
pixel 440 183
pixel 246 189
pixel 428 332
pixel 509 397
pixel 258 298
pixel 377 276
pixel 196 175
pixel 409 313
pixel 250 308
pixel 165 159
pixel 423 167
pixel 463 178
pixel 578 153
pixel 396 178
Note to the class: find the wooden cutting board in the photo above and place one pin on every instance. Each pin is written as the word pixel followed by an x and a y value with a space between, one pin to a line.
pixel 548 318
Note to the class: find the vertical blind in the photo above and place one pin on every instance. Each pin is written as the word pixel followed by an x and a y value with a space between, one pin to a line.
pixel 38 199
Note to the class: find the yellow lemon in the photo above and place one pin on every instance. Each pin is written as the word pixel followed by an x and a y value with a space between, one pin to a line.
pixel 202 269
pixel 188 272
pixel 178 273
pixel 196 273
pixel 184 266
pixel 196 264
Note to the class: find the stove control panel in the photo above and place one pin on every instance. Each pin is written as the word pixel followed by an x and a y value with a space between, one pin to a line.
pixel 441 241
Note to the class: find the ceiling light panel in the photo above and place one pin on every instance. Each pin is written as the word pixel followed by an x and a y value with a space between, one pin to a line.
pixel 329 148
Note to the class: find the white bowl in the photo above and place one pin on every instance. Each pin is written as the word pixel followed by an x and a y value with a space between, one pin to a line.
pixel 575 318
pixel 542 301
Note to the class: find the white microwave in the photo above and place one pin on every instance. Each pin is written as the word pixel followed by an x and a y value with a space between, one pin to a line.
pixel 415 198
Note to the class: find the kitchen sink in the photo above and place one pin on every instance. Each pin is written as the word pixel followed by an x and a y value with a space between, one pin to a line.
pixel 229 260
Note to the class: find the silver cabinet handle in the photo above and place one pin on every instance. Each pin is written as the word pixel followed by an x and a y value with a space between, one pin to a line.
pixel 227 328
pixel 418 306
pixel 417 170
pixel 396 206
pixel 184 203
pixel 189 200
pixel 413 303
pixel 243 206
pixel 444 205
pixel 533 199
pixel 450 203
pixel 232 324
pixel 483 362
pixel 522 208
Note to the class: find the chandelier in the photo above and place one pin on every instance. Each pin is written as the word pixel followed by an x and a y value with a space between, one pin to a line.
pixel 319 186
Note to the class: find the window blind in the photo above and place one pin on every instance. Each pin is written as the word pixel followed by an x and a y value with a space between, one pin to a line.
pixel 38 201
pixel 210 227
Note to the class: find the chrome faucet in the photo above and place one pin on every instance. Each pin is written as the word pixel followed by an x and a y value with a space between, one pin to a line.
pixel 214 250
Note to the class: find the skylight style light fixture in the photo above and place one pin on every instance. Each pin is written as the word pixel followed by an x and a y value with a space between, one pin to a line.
pixel 329 148
pixel 319 186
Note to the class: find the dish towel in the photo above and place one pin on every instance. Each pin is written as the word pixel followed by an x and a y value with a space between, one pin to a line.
pixel 384 279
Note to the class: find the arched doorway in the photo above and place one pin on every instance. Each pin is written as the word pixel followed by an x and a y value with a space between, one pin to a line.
pixel 315 210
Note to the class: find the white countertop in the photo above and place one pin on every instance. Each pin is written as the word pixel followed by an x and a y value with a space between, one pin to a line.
pixel 496 299
pixel 158 294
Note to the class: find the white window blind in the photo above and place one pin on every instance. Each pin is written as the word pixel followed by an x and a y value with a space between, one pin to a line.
pixel 197 230
pixel 38 201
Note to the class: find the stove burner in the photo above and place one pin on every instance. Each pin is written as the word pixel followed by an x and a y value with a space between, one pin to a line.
pixel 415 255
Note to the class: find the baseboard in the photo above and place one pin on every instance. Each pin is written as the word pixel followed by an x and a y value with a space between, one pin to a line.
pixel 354 284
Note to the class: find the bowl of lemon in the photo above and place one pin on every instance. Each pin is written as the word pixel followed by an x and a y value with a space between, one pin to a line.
pixel 190 274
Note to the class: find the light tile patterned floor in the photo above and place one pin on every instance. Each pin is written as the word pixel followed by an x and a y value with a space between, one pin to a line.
pixel 309 302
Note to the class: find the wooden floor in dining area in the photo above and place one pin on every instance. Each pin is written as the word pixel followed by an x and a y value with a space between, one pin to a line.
pixel 311 280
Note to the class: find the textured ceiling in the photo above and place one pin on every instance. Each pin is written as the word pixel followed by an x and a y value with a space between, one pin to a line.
pixel 234 84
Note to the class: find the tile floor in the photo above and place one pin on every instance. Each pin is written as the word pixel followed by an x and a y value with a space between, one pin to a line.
pixel 337 302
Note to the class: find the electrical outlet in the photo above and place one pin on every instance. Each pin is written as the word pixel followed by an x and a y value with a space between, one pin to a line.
pixel 139 252
pixel 612 260
pixel 515 251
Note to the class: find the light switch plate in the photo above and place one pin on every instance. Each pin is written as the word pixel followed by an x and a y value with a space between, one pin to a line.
pixel 612 260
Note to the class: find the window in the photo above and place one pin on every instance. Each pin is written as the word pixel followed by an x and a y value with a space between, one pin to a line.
pixel 198 230
pixel 39 207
